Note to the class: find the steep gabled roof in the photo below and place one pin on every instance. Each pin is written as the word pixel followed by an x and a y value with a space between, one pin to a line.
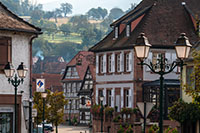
pixel 81 69
pixel 11 22
pixel 162 23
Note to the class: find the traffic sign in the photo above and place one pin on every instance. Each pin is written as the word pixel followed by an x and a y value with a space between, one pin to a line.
pixel 34 112
pixel 149 106
pixel 40 85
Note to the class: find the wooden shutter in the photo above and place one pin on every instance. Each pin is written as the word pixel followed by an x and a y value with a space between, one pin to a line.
pixel 104 63
pixel 97 64
pixel 130 62
pixel 5 52
pixel 121 61
pixel 113 62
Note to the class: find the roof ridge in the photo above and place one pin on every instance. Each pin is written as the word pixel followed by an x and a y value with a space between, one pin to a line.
pixel 18 18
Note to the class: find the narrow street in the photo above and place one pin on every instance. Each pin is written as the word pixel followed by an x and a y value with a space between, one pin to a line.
pixel 72 129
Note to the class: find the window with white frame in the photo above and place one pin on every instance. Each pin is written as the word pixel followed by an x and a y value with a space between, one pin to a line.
pixel 126 97
pixel 101 63
pixel 116 32
pixel 100 93
pixel 155 57
pixel 109 63
pixel 71 72
pixel 69 87
pixel 118 65
pixel 74 87
pixel 127 61
pixel 109 96
pixel 128 30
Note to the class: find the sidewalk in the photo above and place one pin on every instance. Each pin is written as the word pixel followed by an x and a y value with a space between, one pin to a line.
pixel 72 129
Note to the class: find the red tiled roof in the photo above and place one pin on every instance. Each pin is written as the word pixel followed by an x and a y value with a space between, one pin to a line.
pixel 81 69
pixel 162 24
pixel 11 22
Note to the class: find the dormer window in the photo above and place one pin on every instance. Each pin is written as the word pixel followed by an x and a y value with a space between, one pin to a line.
pixel 72 73
pixel 128 30
pixel 116 32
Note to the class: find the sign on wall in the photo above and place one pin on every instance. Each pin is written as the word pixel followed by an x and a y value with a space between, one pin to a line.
pixel 34 112
pixel 88 103
pixel 40 85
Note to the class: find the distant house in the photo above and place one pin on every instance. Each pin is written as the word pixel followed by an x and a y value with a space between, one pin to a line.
pixel 16 36
pixel 72 80
pixel 85 95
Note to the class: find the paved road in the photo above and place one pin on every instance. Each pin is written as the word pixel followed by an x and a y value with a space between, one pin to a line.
pixel 72 129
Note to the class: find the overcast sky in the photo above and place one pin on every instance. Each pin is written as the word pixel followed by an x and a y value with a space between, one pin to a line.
pixel 82 6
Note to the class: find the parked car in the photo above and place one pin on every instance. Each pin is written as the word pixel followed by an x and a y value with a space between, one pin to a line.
pixel 48 127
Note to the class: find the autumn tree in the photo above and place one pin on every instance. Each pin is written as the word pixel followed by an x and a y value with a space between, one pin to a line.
pixel 56 108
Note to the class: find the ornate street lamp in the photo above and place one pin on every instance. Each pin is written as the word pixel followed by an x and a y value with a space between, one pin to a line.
pixel 9 72
pixel 101 100
pixel 44 95
pixel 182 47
pixel 70 103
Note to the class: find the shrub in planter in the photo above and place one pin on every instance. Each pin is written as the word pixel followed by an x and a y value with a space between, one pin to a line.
pixel 129 129
pixel 171 130
pixel 126 110
pixel 121 129
pixel 109 110
pixel 95 109
pixel 153 129
pixel 117 118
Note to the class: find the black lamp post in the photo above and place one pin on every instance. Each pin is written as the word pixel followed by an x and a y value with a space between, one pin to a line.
pixel 44 95
pixel 182 47
pixel 9 72
pixel 101 100
pixel 70 103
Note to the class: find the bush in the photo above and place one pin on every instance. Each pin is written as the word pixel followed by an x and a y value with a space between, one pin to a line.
pixel 153 129
pixel 121 129
pixel 95 109
pixel 129 129
pixel 126 110
pixel 117 118
pixel 109 110
pixel 171 130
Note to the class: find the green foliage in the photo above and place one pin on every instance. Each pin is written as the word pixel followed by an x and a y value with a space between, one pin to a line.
pixel 117 118
pixel 116 13
pixel 126 110
pixel 129 129
pixel 66 8
pixel 97 13
pixel 171 130
pixel 109 110
pixel 121 129
pixel 153 129
pixel 182 111
pixel 95 109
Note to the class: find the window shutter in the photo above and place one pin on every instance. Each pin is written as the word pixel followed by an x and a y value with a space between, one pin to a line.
pixel 149 59
pixel 130 61
pixel 112 98
pixel 113 62
pixel 174 59
pixel 97 95
pixel 104 63
pixel 129 100
pixel 122 97
pixel 168 57
pixel 97 64
pixel 104 95
pixel 122 62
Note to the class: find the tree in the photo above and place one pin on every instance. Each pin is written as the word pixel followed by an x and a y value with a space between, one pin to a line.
pixel 66 8
pixel 116 13
pixel 57 13
pixel 65 28
pixel 97 13
pixel 132 7
pixel 56 108
pixel 48 14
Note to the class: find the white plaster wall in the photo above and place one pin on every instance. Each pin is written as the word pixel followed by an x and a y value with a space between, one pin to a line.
pixel 115 77
pixel 149 76
pixel 20 53
pixel 122 86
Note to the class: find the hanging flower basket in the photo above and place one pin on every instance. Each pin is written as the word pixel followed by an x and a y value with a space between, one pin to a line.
pixel 126 110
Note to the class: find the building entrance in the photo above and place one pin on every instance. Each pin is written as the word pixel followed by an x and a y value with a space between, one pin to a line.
pixel 6 122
